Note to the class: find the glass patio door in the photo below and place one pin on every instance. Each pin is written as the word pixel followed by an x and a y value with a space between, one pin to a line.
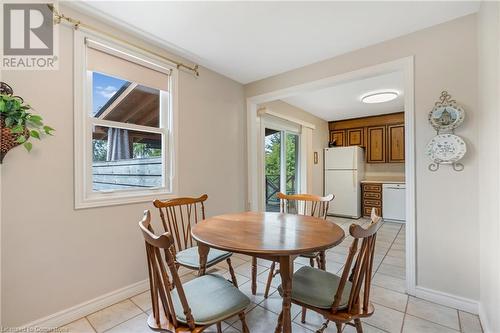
pixel 281 150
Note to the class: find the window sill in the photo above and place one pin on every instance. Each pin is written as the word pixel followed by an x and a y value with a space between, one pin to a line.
pixel 114 199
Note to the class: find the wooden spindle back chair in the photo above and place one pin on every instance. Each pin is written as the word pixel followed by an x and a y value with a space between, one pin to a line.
pixel 357 273
pixel 178 216
pixel 168 292
pixel 302 204
pixel 305 204
pixel 161 283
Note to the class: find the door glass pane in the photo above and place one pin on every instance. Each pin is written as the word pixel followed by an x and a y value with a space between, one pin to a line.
pixel 292 163
pixel 272 147
pixel 125 159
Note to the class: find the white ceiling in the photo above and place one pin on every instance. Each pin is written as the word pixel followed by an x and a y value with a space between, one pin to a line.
pixel 248 41
pixel 343 101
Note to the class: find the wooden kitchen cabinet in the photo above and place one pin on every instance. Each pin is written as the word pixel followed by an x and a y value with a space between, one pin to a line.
pixel 338 137
pixel 383 136
pixel 375 150
pixel 396 143
pixel 372 198
pixel 355 137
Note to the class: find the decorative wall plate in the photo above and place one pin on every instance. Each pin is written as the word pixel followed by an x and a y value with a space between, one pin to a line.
pixel 446 149
pixel 446 114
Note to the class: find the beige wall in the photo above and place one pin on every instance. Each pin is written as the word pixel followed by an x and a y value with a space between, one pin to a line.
pixel 319 137
pixel 446 208
pixel 489 161
pixel 379 170
pixel 54 257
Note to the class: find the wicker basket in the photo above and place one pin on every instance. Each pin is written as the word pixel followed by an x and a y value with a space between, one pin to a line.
pixel 8 139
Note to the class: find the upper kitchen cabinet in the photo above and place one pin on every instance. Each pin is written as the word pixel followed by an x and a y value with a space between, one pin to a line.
pixel 396 143
pixel 376 149
pixel 381 136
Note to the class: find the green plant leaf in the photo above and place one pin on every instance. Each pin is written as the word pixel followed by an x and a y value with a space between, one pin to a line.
pixel 28 146
pixel 2 105
pixel 35 134
pixel 21 139
pixel 17 129
pixel 48 129
pixel 8 122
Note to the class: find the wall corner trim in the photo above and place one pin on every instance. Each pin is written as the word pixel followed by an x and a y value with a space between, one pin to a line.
pixel 439 297
pixel 73 313
pixel 485 323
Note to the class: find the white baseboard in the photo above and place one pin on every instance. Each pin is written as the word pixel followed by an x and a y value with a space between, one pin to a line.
pixel 439 297
pixel 64 317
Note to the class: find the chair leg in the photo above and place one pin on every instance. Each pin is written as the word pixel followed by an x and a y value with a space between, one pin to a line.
pixel 339 327
pixel 269 279
pixel 357 324
pixel 324 326
pixel 279 325
pixel 318 262
pixel 244 327
pixel 311 262
pixel 231 271
pixel 254 275
pixel 303 316
pixel 219 327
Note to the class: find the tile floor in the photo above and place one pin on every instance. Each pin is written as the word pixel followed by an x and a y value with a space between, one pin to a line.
pixel 394 310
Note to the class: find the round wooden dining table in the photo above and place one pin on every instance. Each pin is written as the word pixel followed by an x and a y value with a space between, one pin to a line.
pixel 273 236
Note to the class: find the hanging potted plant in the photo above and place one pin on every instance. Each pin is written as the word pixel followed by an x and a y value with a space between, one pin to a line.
pixel 18 125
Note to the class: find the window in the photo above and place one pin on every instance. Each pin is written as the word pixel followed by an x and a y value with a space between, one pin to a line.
pixel 124 124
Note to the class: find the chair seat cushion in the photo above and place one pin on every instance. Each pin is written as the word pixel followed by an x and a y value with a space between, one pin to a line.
pixel 190 258
pixel 310 255
pixel 211 299
pixel 317 288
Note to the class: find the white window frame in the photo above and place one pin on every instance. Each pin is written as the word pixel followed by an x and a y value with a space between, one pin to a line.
pixel 85 197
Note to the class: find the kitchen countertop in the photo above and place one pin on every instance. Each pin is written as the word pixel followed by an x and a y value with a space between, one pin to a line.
pixel 384 180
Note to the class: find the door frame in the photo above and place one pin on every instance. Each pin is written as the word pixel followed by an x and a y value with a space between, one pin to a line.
pixel 284 130
pixel 406 66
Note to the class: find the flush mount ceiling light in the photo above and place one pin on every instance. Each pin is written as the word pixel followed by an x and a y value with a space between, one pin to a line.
pixel 379 97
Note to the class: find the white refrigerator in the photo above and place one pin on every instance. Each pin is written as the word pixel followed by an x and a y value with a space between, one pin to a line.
pixel 344 169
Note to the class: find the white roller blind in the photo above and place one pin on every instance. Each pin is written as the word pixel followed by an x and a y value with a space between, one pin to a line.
pixel 129 69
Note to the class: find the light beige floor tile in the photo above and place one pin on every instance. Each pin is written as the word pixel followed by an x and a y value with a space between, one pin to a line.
pixel 395 261
pixel 235 262
pixel 188 277
pixel 389 282
pixel 386 319
pixel 239 278
pixel 433 312
pixel 113 315
pixel 333 267
pixel 389 298
pixel 231 329
pixel 337 257
pixel 274 303
pixel 396 253
pixel 246 288
pixel 143 300
pixel 469 323
pixel 275 282
pixel 138 324
pixel 246 269
pixel 366 329
pixel 391 270
pixel 417 325
pixel 80 326
pixel 264 263
pixel 259 320
pixel 242 256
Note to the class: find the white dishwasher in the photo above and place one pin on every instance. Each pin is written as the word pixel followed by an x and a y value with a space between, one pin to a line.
pixel 393 202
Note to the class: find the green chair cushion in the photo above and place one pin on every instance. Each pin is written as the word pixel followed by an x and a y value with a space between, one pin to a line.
pixel 190 258
pixel 317 288
pixel 211 299
pixel 310 255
